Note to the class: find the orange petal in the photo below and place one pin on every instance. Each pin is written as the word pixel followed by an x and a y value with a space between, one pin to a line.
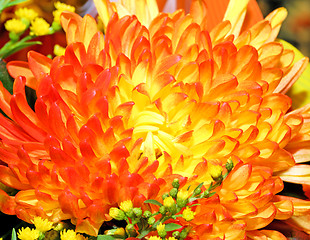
pixel 19 68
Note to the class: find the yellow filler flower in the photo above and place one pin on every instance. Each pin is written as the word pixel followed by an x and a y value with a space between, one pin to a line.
pixel 42 225
pixel 15 25
pixel 28 234
pixel 26 13
pixel 39 27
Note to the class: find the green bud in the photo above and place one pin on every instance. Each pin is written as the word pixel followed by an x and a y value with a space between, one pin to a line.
pixel 147 214
pixel 176 183
pixel 229 165
pixel 184 233
pixel 151 220
pixel 130 213
pixel 162 210
pixel 117 214
pixel 206 194
pixel 176 234
pixel 137 212
pixel 197 191
pixel 165 195
pixel 56 26
pixel 13 36
pixel 130 227
pixel 182 202
pixel 173 192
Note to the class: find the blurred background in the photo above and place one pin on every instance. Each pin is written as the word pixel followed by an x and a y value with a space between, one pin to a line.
pixel 296 28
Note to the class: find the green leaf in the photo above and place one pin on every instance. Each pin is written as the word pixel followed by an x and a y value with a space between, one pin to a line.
pixel 13 234
pixel 194 205
pixel 12 3
pixel 7 3
pixel 105 237
pixel 16 47
pixel 5 78
pixel 152 201
pixel 172 226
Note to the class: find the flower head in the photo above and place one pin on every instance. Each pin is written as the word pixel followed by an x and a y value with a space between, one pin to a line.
pixel 126 206
pixel 154 238
pixel 68 235
pixel 26 13
pixel 161 230
pixel 28 234
pixel 188 214
pixel 15 25
pixel 116 214
pixel 215 171
pixel 42 225
pixel 39 27
pixel 60 7
pixel 169 202
pixel 119 117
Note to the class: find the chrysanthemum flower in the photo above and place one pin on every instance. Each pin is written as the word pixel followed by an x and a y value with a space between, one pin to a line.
pixel 119 117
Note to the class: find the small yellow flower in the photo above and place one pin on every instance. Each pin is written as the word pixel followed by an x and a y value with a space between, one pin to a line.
pixel 15 25
pixel 119 232
pixel 154 238
pixel 126 206
pixel 215 171
pixel 60 7
pixel 39 27
pixel 171 238
pixel 26 13
pixel 182 198
pixel 161 230
pixel 28 234
pixel 64 7
pixel 116 213
pixel 56 15
pixel 183 195
pixel 169 202
pixel 59 50
pixel 188 214
pixel 42 225
pixel 68 235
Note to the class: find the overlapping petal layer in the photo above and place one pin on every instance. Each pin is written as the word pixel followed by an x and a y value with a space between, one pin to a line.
pixel 120 116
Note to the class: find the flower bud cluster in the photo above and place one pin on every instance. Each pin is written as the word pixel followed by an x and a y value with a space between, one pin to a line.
pixel 27 25
pixel 45 229
pixel 177 203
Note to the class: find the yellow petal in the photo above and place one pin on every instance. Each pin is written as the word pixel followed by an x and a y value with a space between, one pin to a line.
pixel 276 18
pixel 297 174
pixel 235 13
pixel 103 11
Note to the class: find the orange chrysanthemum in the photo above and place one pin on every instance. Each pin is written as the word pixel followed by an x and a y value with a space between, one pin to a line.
pixel 120 116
